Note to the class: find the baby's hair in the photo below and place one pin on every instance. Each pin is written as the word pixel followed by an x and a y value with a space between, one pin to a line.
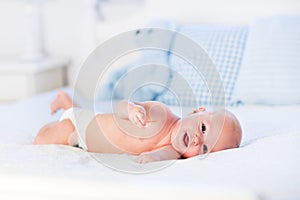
pixel 237 129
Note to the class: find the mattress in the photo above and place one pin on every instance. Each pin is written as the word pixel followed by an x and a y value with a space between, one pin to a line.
pixel 266 166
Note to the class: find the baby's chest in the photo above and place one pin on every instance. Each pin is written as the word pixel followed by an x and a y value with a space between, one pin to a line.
pixel 138 139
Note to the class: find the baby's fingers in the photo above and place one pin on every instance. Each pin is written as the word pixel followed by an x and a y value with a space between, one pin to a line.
pixel 141 118
pixel 137 115
pixel 146 158
pixel 137 121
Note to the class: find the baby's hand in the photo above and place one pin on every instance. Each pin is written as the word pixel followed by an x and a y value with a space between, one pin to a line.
pixel 148 157
pixel 137 115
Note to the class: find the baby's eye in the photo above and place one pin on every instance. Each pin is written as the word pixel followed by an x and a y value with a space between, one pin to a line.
pixel 203 128
pixel 204 148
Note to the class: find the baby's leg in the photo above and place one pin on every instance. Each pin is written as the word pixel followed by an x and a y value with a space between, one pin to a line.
pixel 55 133
pixel 62 101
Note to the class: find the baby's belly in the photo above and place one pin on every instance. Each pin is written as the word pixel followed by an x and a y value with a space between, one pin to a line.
pixel 108 134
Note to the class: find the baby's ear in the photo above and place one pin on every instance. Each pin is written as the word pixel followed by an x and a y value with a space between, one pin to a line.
pixel 200 109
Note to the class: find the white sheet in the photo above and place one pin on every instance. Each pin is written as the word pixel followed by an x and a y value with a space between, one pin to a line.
pixel 266 165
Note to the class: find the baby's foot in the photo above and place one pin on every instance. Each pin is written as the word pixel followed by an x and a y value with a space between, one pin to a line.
pixel 62 101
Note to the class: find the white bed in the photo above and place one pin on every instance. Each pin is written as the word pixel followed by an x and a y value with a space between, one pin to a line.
pixel 266 166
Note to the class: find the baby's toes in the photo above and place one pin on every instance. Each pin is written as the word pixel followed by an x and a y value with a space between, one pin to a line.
pixel 53 108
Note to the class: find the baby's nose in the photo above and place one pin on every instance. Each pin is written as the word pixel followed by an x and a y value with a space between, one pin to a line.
pixel 196 140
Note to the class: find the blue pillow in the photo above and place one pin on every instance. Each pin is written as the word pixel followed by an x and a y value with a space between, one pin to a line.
pixel 225 46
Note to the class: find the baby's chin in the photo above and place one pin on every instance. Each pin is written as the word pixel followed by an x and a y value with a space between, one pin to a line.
pixel 176 146
pixel 189 154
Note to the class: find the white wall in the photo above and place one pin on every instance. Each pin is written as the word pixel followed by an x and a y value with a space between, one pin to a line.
pixel 68 31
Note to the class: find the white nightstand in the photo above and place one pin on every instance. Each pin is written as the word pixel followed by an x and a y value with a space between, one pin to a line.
pixel 21 79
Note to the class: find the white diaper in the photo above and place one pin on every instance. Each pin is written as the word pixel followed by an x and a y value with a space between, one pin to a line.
pixel 81 119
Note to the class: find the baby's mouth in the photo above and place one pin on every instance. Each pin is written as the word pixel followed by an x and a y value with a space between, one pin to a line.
pixel 186 139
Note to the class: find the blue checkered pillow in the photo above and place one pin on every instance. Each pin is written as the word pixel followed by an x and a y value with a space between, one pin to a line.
pixel 225 46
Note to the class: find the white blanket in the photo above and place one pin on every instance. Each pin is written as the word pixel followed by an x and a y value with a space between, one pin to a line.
pixel 266 165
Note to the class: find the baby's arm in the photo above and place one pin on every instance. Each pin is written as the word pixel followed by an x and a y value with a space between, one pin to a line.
pixel 163 153
pixel 140 113
pixel 135 113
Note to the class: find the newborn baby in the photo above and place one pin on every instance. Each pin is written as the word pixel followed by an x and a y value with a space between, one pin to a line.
pixel 147 129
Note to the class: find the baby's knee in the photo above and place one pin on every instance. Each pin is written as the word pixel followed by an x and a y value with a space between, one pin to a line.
pixel 40 139
pixel 46 127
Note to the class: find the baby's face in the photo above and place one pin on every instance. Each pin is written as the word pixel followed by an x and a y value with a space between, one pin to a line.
pixel 204 132
pixel 191 132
